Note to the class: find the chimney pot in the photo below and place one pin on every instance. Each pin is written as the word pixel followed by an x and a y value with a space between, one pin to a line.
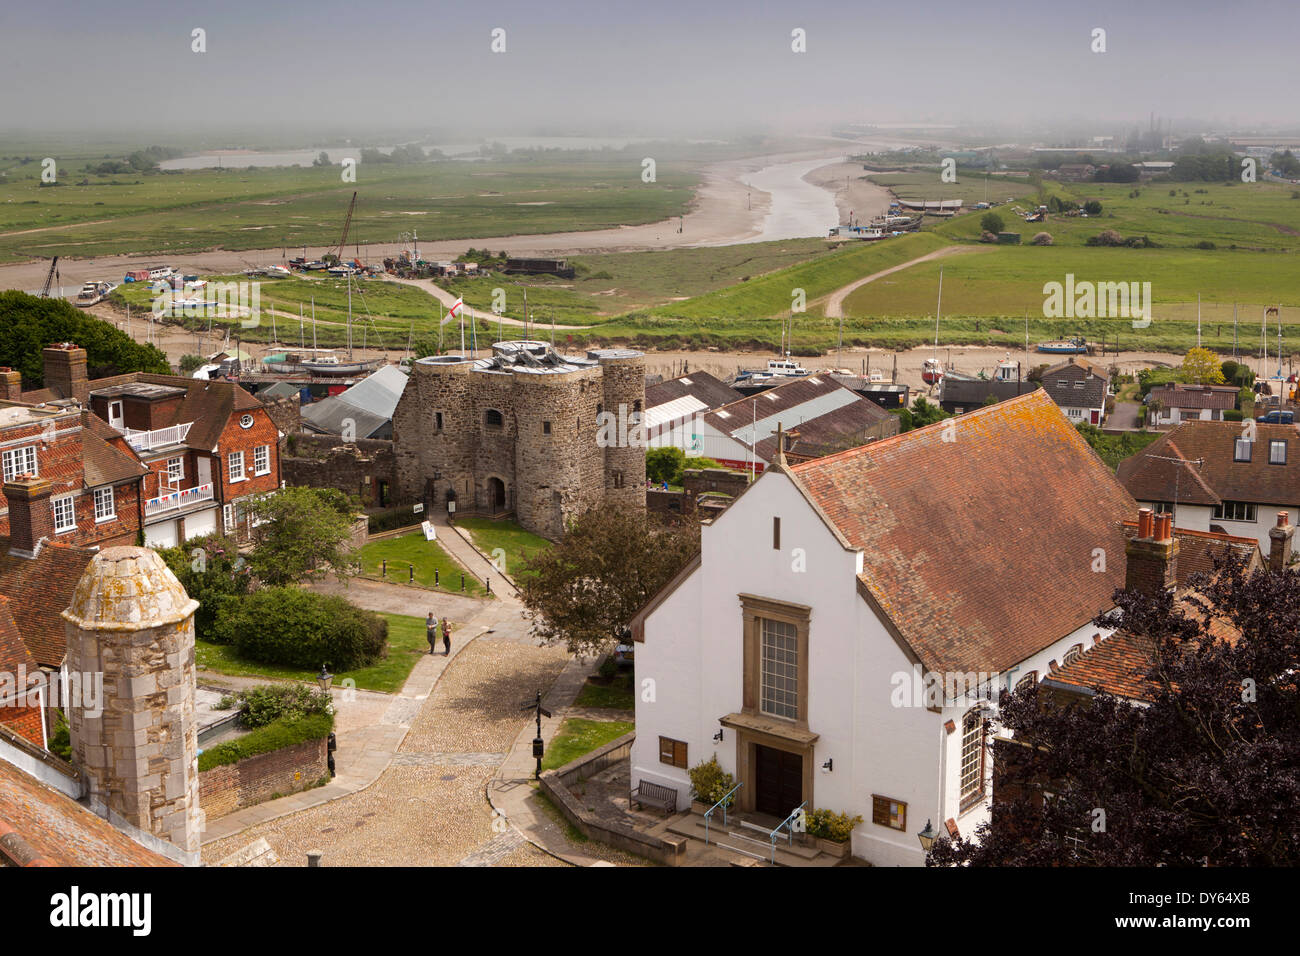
pixel 1279 542
pixel 1163 528
pixel 1144 523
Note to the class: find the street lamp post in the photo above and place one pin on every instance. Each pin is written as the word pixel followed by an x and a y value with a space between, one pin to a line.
pixel 539 746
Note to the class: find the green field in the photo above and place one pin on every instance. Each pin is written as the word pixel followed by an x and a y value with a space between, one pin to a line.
pixel 970 187
pixel 517 544
pixel 578 736
pixel 412 551
pixel 159 213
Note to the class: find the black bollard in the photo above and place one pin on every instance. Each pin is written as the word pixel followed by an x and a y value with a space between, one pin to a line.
pixel 410 578
pixel 462 580
pixel 383 569
pixel 435 577
pixel 488 582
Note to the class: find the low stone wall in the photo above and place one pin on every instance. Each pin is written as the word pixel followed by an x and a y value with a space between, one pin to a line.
pixel 556 785
pixel 233 786
pixel 327 461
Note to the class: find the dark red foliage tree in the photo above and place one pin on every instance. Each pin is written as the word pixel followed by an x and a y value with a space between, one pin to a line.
pixel 1206 773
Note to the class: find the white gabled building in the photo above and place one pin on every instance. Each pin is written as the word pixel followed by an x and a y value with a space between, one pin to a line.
pixel 794 647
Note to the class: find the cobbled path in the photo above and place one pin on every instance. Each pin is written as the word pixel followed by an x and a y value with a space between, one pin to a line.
pixel 429 808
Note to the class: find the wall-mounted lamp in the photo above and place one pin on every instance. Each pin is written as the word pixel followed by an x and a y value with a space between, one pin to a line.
pixel 829 765
pixel 718 736
pixel 927 836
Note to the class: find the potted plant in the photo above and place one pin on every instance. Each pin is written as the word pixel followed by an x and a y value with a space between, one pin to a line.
pixel 830 831
pixel 709 784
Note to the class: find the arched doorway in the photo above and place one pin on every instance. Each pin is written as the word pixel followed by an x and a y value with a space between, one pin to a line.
pixel 496 489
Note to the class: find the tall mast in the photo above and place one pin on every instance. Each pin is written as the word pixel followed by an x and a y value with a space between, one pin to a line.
pixel 349 276
pixel 937 308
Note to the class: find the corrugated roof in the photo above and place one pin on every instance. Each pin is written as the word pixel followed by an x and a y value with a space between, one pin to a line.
pixel 795 404
pixel 331 415
pixel 708 390
pixel 377 393
pixel 979 533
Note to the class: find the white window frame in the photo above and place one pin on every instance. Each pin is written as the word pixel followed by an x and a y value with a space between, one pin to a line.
pixel 102 515
pixel 231 458
pixel 778 694
pixel 971 787
pixel 265 467
pixel 20 461
pixel 177 475
pixel 1275 445
pixel 1242 445
pixel 1248 510
pixel 55 505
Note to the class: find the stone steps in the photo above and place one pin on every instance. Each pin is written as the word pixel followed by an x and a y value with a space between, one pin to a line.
pixel 731 838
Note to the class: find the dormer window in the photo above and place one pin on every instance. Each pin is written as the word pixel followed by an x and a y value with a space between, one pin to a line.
pixel 1277 452
pixel 1242 449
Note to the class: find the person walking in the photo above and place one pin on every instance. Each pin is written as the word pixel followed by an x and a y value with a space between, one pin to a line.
pixel 431 631
pixel 446 637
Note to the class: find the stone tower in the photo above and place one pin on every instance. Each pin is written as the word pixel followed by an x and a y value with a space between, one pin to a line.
pixel 131 620
pixel 518 432
pixel 623 385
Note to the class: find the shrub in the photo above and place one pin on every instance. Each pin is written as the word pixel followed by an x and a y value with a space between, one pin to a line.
pixel 1233 415
pixel 1107 237
pixel 829 825
pixel 213 573
pixel 992 222
pixel 1092 207
pixel 664 464
pixel 61 739
pixel 284 732
pixel 609 668
pixel 259 706
pixel 1041 239
pixel 1205 244
pixel 304 629
pixel 709 782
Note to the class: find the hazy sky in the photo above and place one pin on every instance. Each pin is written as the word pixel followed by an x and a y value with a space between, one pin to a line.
pixel 677 67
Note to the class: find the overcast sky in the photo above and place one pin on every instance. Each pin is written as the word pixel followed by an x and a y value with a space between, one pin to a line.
pixel 674 67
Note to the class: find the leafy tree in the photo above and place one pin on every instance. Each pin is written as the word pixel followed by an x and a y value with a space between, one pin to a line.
pixel 663 464
pixel 923 413
pixel 696 462
pixel 190 362
pixel 322 160
pixel 586 589
pixel 29 323
pixel 300 533
pixel 1286 164
pixel 1207 775
pixel 992 222
pixel 1092 207
pixel 213 573
pixel 1201 367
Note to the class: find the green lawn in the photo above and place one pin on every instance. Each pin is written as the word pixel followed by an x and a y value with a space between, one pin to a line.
pixel 516 543
pixel 617 694
pixel 578 736
pixel 406 642
pixel 412 551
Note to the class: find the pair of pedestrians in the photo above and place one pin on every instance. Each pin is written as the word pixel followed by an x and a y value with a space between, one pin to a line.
pixel 431 628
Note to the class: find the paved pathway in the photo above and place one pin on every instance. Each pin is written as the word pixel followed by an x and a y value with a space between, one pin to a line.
pixel 835 301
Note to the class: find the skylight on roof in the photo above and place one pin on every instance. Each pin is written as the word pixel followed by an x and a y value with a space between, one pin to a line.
pixel 770 396
pixel 686 381
pixel 815 380
pixel 724 414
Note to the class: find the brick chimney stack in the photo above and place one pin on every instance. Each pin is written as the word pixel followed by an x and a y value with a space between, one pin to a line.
pixel 65 370
pixel 11 384
pixel 31 517
pixel 1153 555
pixel 1279 542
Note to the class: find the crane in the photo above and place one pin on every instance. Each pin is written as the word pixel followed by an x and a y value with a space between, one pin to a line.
pixel 347 224
pixel 49 279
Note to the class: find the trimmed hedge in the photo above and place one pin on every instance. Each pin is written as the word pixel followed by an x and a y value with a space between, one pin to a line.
pixel 284 732
pixel 303 629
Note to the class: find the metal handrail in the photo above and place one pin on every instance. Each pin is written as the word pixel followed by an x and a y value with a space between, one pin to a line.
pixel 708 814
pixel 789 833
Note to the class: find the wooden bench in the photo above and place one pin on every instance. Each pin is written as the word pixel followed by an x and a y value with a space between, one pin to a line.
pixel 664 798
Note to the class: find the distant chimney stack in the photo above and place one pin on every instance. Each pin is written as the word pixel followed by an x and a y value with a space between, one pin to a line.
pixel 31 517
pixel 1279 542
pixel 65 370
pixel 11 384
pixel 1152 564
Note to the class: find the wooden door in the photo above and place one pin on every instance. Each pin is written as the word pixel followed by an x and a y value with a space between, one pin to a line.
pixel 778 781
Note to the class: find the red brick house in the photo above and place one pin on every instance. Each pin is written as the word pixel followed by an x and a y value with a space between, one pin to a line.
pixel 204 448
pixel 95 478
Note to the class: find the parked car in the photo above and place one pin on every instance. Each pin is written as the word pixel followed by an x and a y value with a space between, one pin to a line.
pixel 1277 417
pixel 623 655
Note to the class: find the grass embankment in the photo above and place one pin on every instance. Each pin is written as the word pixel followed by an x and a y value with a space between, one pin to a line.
pixel 616 694
pixel 280 733
pixel 427 558
pixel 406 643
pixel 516 545
pixel 578 736
pixel 260 208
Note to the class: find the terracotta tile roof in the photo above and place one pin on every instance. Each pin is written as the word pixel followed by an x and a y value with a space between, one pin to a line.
pixel 1154 475
pixel 709 389
pixel 40 825
pixel 1198 549
pixel 1117 665
pixel 979 549
pixel 1220 476
pixel 39 589
pixel 13 652
pixel 1195 396
pixel 105 464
